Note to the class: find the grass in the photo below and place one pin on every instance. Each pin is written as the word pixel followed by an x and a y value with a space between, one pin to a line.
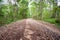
pixel 58 25
pixel 52 20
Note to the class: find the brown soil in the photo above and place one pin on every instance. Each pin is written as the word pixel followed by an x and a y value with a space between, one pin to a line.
pixel 29 29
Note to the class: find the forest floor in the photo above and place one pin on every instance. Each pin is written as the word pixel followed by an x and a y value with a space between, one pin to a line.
pixel 29 29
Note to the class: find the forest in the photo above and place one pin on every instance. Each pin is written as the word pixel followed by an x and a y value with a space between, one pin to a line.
pixel 46 10
pixel 29 19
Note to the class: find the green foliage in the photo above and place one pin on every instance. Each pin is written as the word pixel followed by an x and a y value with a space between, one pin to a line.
pixel 0 0
pixel 51 20
pixel 58 25
pixel 10 13
pixel 37 9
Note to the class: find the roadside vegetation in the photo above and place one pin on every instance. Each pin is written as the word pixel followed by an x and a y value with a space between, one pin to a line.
pixel 13 10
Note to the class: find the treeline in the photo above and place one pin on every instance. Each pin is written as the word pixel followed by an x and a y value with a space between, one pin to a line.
pixel 13 11
pixel 47 10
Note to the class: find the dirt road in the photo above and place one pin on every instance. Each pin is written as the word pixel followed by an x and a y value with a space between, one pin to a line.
pixel 29 29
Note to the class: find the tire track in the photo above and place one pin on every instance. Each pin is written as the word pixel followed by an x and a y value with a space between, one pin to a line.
pixel 29 29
